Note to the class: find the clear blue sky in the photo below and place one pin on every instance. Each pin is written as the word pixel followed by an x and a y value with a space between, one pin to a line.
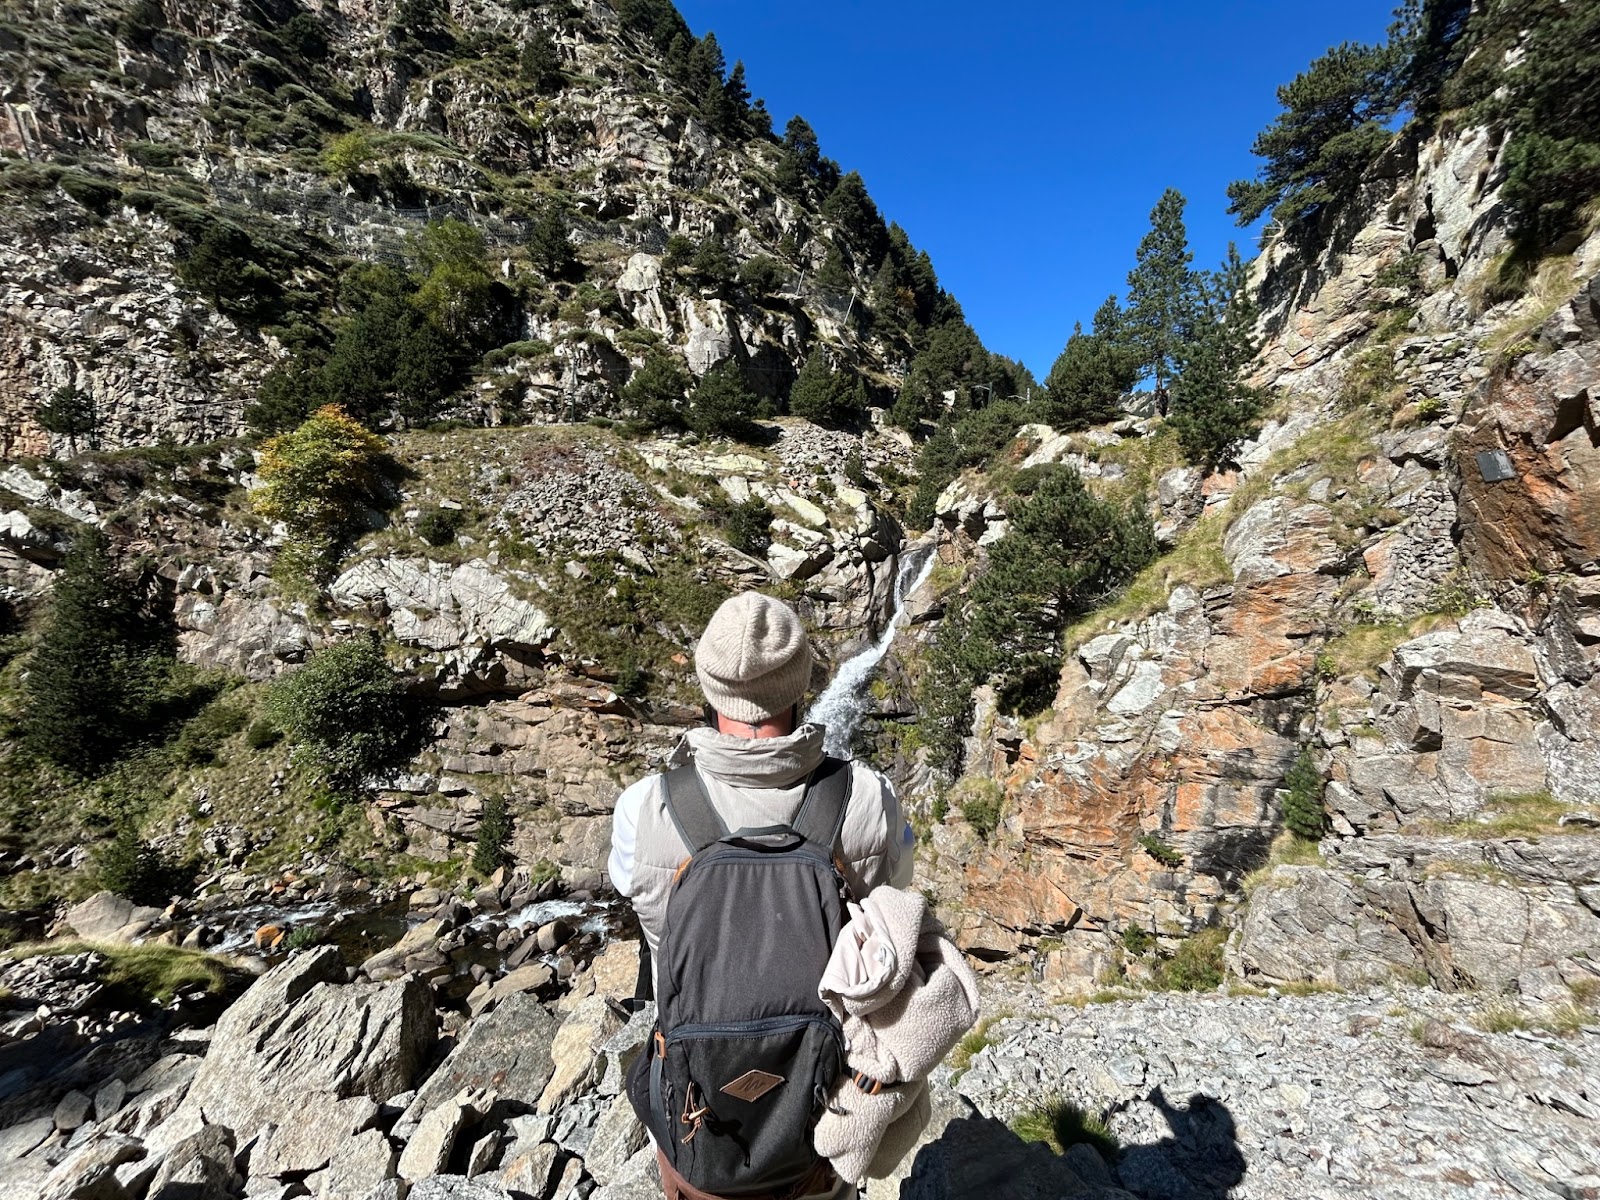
pixel 1024 144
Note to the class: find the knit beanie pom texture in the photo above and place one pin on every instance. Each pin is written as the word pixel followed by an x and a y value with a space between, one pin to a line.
pixel 754 660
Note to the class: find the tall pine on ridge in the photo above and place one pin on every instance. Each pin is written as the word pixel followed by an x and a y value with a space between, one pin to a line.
pixel 1163 293
pixel 1212 409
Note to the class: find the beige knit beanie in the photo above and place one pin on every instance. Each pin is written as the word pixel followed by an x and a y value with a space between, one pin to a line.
pixel 754 659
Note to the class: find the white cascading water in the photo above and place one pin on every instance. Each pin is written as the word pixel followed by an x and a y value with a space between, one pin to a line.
pixel 845 699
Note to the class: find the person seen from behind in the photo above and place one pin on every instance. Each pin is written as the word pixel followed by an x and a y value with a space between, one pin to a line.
pixel 738 863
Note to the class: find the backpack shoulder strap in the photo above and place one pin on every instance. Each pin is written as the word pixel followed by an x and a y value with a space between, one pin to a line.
pixel 698 823
pixel 821 814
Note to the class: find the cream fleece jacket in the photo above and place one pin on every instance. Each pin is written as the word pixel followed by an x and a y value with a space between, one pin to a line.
pixel 895 1034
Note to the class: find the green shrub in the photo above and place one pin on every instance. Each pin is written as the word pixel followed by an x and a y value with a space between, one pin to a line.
pixel 439 526
pixel 1137 940
pixel 982 803
pixel 494 836
pixel 748 526
pixel 1303 811
pixel 223 265
pixel 348 713
pixel 762 275
pixel 132 867
pixel 1196 965
pixel 1156 848
pixel 262 735
pixel 203 735
pixel 303 937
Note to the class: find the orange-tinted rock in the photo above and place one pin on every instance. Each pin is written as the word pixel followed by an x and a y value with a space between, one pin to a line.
pixel 1545 416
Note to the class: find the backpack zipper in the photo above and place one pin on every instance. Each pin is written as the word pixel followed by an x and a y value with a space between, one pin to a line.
pixel 767 1025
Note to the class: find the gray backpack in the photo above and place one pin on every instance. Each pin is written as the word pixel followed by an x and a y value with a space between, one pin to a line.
pixel 744 1054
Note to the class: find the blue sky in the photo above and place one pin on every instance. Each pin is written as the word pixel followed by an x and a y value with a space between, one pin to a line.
pixel 1023 145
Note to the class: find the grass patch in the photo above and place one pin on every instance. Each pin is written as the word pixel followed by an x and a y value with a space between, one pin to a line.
pixel 1527 813
pixel 1288 850
pixel 974 1040
pixel 1196 561
pixel 1059 1123
pixel 142 973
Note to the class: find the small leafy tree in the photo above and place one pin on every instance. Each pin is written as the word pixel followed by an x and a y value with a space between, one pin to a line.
pixel 131 867
pixel 96 675
pixel 69 413
pixel 316 480
pixel 347 153
pixel 348 713
pixel 454 288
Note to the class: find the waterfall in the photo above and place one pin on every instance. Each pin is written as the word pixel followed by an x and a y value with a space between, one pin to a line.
pixel 845 699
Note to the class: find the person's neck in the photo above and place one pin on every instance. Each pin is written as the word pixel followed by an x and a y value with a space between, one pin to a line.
pixel 773 727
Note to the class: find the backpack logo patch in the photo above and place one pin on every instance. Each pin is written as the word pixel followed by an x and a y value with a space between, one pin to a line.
pixel 752 1085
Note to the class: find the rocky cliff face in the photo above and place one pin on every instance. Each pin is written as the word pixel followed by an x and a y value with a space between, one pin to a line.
pixel 128 135
pixel 1372 594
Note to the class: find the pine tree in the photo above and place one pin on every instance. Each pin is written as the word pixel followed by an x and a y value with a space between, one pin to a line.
pixel 1552 104
pixel 1163 293
pixel 549 243
pixel 852 210
pixel 706 66
pixel 712 263
pixel 734 107
pixel 1213 411
pixel 94 677
pixel 1331 129
pixel 541 63
pixel 1086 385
pixel 798 166
pixel 655 392
pixel 723 404
pixel 826 397
pixel 69 413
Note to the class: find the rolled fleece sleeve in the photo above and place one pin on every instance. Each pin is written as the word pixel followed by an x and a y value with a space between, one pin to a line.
pixel 624 836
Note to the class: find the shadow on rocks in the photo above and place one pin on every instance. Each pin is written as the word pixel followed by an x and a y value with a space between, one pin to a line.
pixel 981 1158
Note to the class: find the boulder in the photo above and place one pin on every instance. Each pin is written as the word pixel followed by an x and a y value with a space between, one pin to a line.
pixel 108 917
pixel 456 1187
pixel 319 1134
pixel 301 1032
pixel 365 1160
pixel 200 1167
pixel 507 1049
pixel 617 1138
pixel 574 1050
pixel 429 1148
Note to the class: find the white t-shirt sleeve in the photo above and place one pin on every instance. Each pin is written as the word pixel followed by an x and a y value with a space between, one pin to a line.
pixel 624 835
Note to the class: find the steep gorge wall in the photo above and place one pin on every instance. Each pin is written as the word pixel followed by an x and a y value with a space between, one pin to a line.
pixel 1359 593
